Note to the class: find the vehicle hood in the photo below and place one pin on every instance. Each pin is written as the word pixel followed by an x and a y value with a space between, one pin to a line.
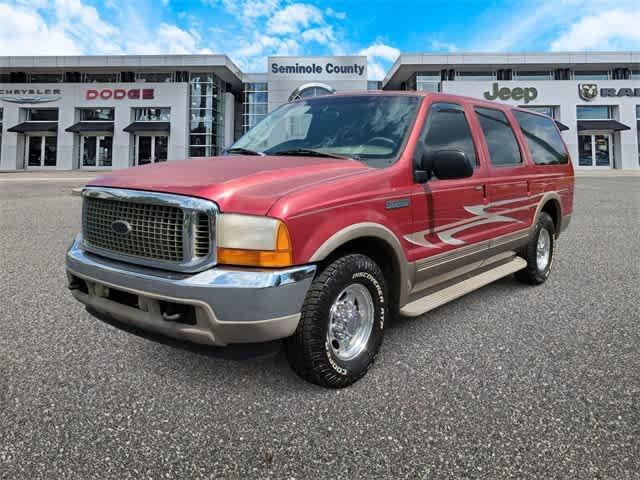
pixel 237 183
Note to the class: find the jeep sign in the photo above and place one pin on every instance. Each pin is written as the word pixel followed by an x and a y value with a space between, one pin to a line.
pixel 517 93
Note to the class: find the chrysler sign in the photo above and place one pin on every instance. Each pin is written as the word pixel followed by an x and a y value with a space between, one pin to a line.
pixel 30 95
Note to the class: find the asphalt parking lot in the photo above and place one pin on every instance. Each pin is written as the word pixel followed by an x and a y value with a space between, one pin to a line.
pixel 508 382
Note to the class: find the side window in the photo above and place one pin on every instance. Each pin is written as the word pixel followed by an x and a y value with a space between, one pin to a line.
pixel 447 129
pixel 501 141
pixel 543 139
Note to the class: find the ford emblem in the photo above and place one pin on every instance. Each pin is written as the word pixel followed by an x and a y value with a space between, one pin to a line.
pixel 120 227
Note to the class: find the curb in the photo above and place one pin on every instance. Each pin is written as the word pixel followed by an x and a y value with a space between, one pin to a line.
pixel 76 192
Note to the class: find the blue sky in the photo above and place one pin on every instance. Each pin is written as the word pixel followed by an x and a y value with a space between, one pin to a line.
pixel 249 31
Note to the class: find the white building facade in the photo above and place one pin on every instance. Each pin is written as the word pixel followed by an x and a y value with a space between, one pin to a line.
pixel 114 112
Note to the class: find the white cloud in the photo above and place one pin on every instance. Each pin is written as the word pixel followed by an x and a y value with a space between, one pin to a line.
pixel 293 18
pixel 25 32
pixel 380 50
pixel 321 35
pixel 332 13
pixel 82 20
pixel 379 56
pixel 71 27
pixel 614 29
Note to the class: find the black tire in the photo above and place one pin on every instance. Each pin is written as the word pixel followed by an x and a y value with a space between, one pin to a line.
pixel 308 350
pixel 532 274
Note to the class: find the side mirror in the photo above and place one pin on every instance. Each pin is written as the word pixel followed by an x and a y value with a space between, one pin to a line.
pixel 448 164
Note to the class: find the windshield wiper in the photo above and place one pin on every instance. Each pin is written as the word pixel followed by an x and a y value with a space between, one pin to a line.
pixel 309 152
pixel 246 151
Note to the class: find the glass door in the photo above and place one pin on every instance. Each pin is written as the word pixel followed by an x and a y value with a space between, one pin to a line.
pixel 151 149
pixel 41 151
pixel 595 150
pixel 96 150
pixel 34 151
pixel 603 150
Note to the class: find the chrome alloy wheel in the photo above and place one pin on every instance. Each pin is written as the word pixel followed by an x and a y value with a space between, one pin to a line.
pixel 543 249
pixel 350 322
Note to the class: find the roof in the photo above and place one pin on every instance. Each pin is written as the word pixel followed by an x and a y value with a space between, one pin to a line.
pixel 408 63
pixel 221 65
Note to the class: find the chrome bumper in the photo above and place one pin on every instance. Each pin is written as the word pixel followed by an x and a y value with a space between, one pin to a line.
pixel 231 305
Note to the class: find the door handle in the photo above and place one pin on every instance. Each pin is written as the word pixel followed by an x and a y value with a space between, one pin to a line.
pixel 479 188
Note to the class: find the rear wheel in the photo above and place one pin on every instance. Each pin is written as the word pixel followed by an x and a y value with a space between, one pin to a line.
pixel 342 323
pixel 539 252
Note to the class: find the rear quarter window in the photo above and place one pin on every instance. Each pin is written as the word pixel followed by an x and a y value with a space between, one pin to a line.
pixel 543 139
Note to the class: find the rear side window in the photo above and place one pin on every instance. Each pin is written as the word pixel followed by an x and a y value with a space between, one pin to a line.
pixel 543 139
pixel 447 129
pixel 501 141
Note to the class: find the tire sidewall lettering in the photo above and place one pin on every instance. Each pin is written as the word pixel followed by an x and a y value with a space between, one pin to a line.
pixel 332 362
pixel 359 276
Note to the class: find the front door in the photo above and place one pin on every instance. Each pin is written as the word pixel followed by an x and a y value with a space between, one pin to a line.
pixel 446 218
pixel 41 151
pixel 595 150
pixel 151 149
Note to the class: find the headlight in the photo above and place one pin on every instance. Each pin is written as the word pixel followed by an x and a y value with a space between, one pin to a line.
pixel 253 241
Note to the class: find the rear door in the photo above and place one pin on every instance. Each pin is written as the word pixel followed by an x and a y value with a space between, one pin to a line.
pixel 509 209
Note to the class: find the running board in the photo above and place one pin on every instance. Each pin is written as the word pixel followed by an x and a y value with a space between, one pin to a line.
pixel 436 299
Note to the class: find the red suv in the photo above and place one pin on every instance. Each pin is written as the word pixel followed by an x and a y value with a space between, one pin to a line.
pixel 323 222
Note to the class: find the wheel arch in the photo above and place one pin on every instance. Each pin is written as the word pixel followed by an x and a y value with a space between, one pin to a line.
pixel 551 205
pixel 381 245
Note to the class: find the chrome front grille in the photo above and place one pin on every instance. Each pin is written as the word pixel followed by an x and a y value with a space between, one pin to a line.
pixel 156 230
pixel 152 229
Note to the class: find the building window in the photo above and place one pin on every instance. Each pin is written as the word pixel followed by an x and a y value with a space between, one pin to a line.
pixel 206 123
pixel 476 76
pixel 46 77
pixel 152 114
pixel 254 105
pixel 548 110
pixel 594 112
pixel 374 85
pixel 591 75
pixel 533 75
pixel 97 114
pixel 155 77
pixel 425 82
pixel 112 77
pixel 42 115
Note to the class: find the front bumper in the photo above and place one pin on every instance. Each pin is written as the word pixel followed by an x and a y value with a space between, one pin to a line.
pixel 230 305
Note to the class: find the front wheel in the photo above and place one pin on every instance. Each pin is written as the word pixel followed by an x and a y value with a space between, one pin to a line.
pixel 341 324
pixel 539 252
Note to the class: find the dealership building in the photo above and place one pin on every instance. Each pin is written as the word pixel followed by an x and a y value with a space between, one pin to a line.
pixel 104 112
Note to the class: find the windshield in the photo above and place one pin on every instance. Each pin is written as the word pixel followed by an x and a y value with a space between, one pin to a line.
pixel 370 128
